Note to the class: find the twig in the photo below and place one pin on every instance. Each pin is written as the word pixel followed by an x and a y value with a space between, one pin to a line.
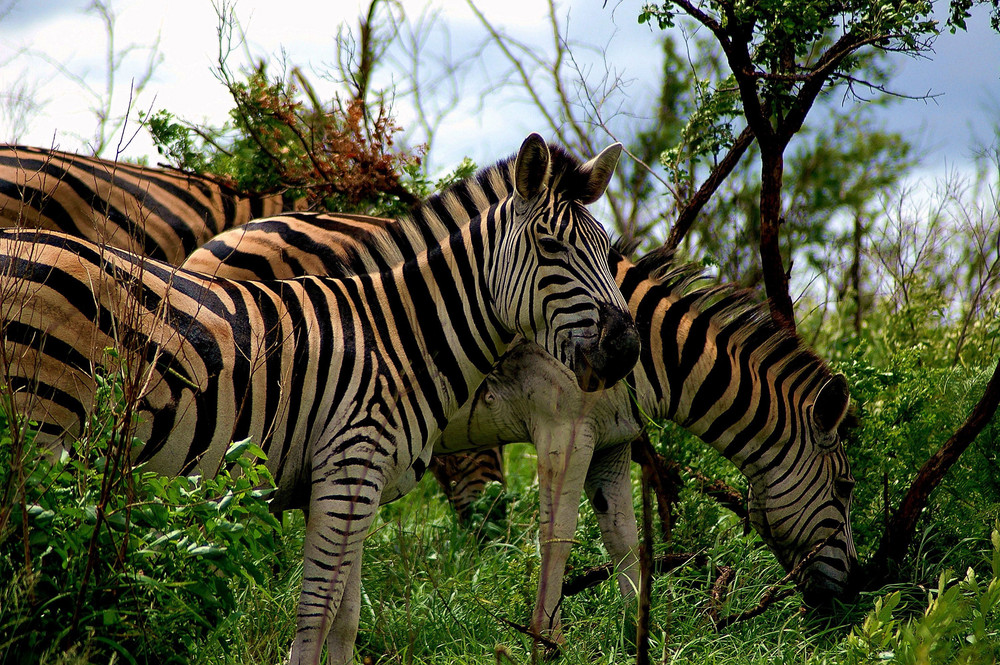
pixel 663 563
pixel 720 589
pixel 645 564
pixel 547 642
pixel 775 592
pixel 725 495
pixel 771 596
pixel 664 477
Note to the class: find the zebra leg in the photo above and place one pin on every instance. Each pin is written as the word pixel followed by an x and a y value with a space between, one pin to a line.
pixel 563 457
pixel 341 509
pixel 609 489
pixel 343 632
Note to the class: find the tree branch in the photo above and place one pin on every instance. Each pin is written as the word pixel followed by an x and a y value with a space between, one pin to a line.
pixel 693 206
pixel 902 525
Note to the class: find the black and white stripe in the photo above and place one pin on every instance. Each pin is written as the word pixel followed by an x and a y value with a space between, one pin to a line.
pixel 797 501
pixel 345 382
pixel 714 362
pixel 161 213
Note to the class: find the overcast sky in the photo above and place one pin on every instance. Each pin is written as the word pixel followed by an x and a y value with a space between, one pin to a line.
pixel 36 34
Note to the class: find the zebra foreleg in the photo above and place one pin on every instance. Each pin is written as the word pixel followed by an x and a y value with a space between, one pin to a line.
pixel 609 489
pixel 563 457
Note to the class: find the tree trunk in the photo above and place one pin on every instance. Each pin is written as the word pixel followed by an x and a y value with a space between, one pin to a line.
pixel 856 273
pixel 775 276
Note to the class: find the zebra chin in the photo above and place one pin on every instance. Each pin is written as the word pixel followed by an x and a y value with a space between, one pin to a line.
pixel 603 360
pixel 824 581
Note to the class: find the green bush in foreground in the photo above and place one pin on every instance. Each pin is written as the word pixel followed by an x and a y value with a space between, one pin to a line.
pixel 141 570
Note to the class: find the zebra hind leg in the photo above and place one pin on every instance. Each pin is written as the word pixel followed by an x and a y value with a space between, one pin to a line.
pixel 341 510
pixel 344 631
pixel 609 489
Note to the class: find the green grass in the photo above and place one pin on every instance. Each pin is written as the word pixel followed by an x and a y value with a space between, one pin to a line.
pixel 437 592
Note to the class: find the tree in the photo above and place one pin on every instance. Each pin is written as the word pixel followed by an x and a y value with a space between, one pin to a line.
pixel 781 61
pixel 333 155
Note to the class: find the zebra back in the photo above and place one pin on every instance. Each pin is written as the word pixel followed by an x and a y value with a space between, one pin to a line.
pixel 161 213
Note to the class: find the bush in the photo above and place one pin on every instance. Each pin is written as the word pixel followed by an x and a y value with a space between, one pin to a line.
pixel 960 624
pixel 99 563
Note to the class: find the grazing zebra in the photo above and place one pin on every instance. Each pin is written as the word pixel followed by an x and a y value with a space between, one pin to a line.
pixel 346 382
pixel 161 213
pixel 715 363
pixel 765 397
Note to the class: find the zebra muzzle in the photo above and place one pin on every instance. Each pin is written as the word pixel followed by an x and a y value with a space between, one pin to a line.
pixel 611 354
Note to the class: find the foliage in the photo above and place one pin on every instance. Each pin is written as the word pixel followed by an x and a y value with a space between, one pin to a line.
pixel 782 56
pixel 961 623
pixel 145 572
pixel 335 157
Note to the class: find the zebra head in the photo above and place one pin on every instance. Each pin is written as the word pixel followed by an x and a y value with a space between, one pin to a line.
pixel 801 505
pixel 551 281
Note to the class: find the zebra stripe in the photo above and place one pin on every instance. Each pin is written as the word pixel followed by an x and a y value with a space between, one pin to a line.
pixel 345 382
pixel 797 500
pixel 164 214
pixel 464 477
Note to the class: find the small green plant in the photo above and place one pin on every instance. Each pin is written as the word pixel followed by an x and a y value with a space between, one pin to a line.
pixel 960 624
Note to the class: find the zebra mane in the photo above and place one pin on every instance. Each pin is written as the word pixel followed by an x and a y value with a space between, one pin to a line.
pixel 445 212
pixel 733 309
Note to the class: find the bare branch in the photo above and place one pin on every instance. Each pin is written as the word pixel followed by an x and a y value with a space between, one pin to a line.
pixel 902 525
pixel 693 206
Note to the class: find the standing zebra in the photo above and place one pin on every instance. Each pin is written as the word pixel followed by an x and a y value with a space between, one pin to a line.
pixel 164 214
pixel 710 361
pixel 346 383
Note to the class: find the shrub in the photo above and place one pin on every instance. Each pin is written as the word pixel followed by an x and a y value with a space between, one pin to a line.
pixel 141 567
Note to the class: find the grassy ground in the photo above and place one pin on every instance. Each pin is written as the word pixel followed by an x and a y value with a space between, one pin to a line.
pixel 435 592
pixel 193 571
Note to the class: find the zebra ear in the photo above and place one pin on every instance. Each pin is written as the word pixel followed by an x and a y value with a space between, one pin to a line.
pixel 832 403
pixel 599 171
pixel 531 168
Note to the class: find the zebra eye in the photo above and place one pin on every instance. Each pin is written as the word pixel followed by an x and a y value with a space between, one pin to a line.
pixel 843 486
pixel 551 245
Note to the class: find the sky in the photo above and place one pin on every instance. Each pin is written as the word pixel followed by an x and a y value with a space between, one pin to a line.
pixel 54 49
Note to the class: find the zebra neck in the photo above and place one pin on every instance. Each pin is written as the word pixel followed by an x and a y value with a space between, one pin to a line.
pixel 730 380
pixel 447 315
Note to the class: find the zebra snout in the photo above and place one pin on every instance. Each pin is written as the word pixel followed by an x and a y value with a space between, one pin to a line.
pixel 828 578
pixel 611 354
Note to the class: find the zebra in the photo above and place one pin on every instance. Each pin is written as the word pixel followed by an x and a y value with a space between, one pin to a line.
pixel 345 383
pixel 680 376
pixel 161 213
pixel 296 244
pixel 713 361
